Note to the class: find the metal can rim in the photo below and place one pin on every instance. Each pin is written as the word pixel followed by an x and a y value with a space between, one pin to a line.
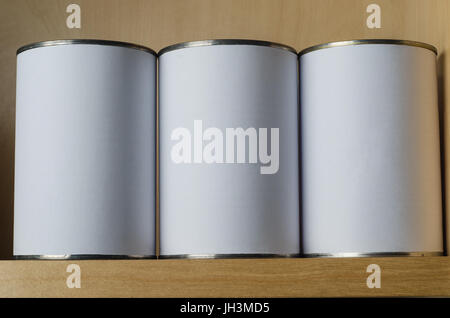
pixel 192 44
pixel 225 256
pixel 81 257
pixel 372 254
pixel 368 41
pixel 84 41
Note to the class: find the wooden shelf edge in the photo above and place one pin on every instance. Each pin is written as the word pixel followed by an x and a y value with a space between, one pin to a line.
pixel 300 277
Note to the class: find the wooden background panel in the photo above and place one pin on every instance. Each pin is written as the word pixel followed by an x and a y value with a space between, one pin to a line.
pixel 413 276
pixel 157 23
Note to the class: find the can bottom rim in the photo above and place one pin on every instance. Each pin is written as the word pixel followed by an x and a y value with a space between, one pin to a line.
pixel 221 256
pixel 225 256
pixel 81 257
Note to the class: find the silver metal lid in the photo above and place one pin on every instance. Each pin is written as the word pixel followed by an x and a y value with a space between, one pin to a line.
pixel 368 41
pixel 84 41
pixel 191 44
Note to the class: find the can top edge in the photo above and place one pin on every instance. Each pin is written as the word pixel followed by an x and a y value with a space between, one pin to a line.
pixel 191 44
pixel 84 41
pixel 368 41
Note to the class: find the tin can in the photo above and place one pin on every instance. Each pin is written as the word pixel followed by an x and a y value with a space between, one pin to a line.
pixel 370 149
pixel 229 177
pixel 85 150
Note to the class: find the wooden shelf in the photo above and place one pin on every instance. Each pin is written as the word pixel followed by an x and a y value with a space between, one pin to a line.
pixel 331 277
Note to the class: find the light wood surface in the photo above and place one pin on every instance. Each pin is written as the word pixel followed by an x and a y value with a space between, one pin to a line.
pixel 412 276
pixel 157 23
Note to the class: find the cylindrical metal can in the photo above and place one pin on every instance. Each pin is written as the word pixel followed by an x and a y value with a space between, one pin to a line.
pixel 229 178
pixel 370 149
pixel 85 150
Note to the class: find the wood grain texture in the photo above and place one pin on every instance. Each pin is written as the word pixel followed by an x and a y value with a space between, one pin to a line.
pixel 158 23
pixel 412 276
